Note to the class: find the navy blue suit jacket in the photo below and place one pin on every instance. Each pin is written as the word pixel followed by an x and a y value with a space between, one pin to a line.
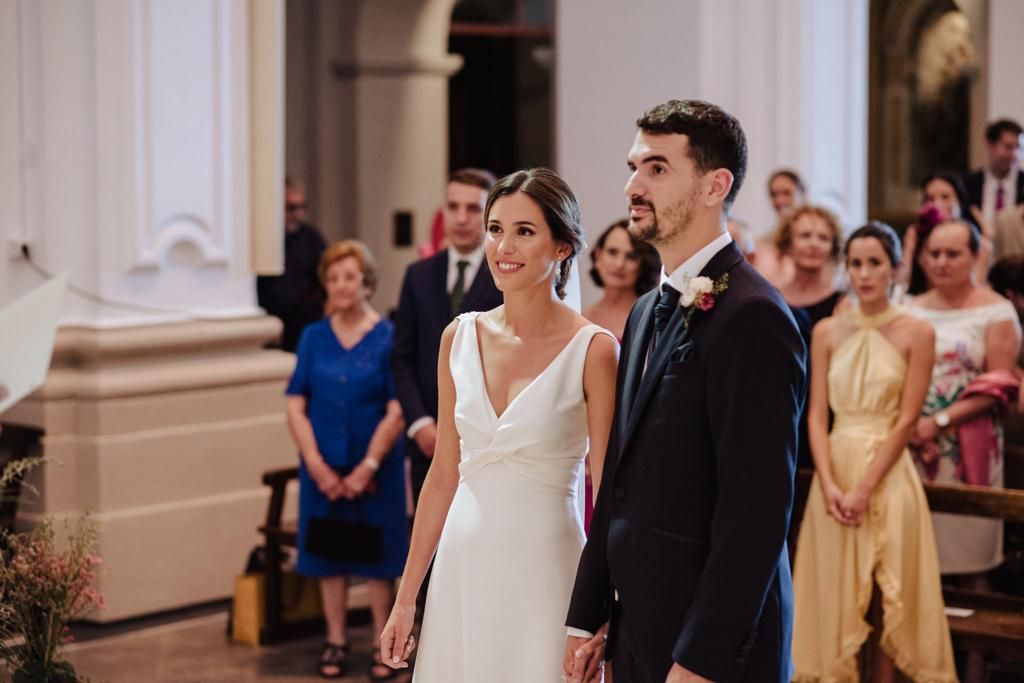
pixel 692 515
pixel 974 183
pixel 423 313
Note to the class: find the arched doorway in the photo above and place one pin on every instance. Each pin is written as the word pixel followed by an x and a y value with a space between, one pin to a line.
pixel 926 96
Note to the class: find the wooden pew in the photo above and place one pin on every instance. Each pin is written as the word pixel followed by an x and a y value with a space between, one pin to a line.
pixel 277 535
pixel 997 624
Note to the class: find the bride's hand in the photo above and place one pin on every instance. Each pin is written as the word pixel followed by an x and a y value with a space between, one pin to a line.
pixel 396 641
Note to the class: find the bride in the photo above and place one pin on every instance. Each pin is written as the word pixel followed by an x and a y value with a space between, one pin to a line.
pixel 520 389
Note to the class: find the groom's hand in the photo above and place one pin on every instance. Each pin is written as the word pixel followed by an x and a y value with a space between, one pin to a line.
pixel 584 659
pixel 678 674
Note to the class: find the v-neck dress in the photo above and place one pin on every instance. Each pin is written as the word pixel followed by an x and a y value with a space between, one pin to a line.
pixel 347 392
pixel 503 573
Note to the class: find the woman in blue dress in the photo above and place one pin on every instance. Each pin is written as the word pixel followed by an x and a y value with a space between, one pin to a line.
pixel 344 417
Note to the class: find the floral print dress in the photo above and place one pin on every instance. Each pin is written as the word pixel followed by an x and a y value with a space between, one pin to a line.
pixel 966 544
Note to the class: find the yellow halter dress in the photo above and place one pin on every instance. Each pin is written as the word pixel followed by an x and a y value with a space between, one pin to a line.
pixel 894 546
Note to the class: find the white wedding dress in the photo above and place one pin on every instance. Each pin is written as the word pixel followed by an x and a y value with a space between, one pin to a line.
pixel 507 558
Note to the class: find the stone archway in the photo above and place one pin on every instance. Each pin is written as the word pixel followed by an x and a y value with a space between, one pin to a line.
pixel 367 119
pixel 926 96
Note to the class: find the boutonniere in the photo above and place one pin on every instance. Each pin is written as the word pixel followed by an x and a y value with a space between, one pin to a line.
pixel 701 294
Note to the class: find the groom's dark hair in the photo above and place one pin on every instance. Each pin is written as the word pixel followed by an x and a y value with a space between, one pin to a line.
pixel 716 137
pixel 559 206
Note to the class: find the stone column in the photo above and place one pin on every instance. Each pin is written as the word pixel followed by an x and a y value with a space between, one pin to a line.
pixel 127 145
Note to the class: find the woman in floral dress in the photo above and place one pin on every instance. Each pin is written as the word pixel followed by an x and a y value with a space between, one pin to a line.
pixel 958 438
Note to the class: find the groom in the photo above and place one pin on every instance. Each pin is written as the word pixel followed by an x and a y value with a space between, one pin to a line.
pixel 686 559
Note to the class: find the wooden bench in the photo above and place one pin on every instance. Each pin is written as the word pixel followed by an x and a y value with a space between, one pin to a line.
pixel 997 624
pixel 16 443
pixel 277 535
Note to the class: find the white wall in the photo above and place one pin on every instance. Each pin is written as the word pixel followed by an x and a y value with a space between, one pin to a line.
pixel 793 71
pixel 1006 57
pixel 613 60
pixel 125 161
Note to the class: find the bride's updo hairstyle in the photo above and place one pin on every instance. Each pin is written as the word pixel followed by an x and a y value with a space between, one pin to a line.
pixel 560 208
pixel 885 235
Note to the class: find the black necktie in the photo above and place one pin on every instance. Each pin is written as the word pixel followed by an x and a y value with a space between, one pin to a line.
pixel 666 306
pixel 458 289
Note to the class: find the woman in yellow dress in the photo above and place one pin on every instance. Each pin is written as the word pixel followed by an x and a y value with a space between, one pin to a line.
pixel 867 523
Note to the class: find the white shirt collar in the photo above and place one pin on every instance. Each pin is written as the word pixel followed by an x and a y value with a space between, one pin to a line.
pixel 681 276
pixel 475 259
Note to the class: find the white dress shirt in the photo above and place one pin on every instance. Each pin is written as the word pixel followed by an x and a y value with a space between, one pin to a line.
pixel 681 276
pixel 989 188
pixel 679 280
pixel 475 258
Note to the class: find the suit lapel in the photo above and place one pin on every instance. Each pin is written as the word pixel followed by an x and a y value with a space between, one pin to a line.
pixel 675 334
pixel 638 340
pixel 438 287
pixel 481 283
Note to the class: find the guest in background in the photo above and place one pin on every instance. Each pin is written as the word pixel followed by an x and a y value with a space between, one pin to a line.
pixel 1008 238
pixel 296 296
pixel 434 291
pixel 1007 279
pixel 999 184
pixel 811 237
pixel 346 421
pixel 867 526
pixel 743 238
pixel 625 268
pixel 942 197
pixel 958 438
pixel 787 192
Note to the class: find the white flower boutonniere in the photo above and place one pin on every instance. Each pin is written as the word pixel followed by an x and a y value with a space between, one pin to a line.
pixel 701 294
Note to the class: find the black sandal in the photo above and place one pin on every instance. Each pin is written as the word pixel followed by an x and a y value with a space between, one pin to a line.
pixel 375 662
pixel 332 661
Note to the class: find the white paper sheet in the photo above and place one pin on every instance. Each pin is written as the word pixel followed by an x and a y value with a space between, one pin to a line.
pixel 28 328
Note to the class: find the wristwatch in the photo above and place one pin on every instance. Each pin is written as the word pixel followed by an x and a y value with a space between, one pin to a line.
pixel 941 419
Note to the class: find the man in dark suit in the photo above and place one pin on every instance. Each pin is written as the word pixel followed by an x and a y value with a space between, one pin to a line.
pixel 295 296
pixel 999 183
pixel 434 291
pixel 687 554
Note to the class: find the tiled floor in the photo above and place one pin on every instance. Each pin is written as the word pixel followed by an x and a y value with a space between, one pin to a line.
pixel 197 650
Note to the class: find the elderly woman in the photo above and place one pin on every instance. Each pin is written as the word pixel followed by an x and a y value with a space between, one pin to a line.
pixel 344 417
pixel 625 268
pixel 958 437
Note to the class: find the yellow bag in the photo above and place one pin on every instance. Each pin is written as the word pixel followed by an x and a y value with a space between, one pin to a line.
pixel 300 601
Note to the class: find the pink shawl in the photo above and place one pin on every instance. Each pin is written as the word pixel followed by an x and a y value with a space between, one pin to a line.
pixel 979 438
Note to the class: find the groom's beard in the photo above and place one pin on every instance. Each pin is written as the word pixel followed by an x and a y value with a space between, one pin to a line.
pixel 645 232
pixel 675 220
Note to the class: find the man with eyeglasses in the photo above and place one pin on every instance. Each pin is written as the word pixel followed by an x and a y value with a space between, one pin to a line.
pixel 296 296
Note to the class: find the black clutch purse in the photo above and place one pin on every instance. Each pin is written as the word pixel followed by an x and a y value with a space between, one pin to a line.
pixel 336 539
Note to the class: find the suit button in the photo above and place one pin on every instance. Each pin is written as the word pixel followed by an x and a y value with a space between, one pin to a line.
pixel 620 492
